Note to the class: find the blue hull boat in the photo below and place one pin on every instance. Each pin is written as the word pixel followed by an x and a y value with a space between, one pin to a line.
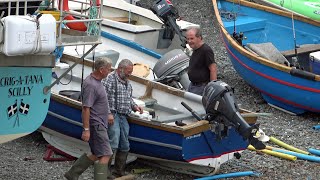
pixel 273 51
pixel 23 101
pixel 194 146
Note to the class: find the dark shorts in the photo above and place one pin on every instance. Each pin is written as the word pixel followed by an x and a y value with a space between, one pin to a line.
pixel 99 141
pixel 197 88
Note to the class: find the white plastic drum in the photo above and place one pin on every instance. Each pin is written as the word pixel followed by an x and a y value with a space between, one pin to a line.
pixel 21 36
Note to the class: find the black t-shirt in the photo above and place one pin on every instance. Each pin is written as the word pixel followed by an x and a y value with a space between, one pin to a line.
pixel 199 64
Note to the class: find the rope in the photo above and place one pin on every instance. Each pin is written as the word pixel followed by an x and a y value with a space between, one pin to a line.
pixel 44 5
pixel 93 28
pixel 228 15
pixel 58 53
pixel 37 44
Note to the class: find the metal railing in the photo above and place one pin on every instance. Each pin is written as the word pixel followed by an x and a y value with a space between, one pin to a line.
pixel 83 17
pixel 7 6
pixel 22 7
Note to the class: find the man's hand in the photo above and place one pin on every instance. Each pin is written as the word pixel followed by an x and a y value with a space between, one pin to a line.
pixel 110 119
pixel 85 135
pixel 138 108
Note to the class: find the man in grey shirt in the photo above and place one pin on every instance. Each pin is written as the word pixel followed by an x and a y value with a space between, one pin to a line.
pixel 95 126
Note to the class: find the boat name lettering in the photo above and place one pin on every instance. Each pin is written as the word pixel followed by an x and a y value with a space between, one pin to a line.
pixel 19 91
pixel 160 6
pixel 317 12
pixel 193 136
pixel 173 58
pixel 312 4
pixel 21 80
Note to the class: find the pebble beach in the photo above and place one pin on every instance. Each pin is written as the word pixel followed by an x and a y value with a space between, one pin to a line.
pixel 22 159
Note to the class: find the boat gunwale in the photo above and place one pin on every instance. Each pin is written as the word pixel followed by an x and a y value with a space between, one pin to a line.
pixel 249 54
pixel 106 5
pixel 104 24
pixel 188 130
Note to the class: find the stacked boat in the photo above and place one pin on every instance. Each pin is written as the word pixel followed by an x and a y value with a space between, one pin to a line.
pixel 307 8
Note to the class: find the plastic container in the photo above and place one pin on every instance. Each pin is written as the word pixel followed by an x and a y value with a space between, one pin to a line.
pixel 315 62
pixel 139 102
pixel 55 14
pixel 21 37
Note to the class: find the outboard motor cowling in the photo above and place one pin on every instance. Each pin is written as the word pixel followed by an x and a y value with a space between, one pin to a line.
pixel 220 107
pixel 171 69
pixel 168 15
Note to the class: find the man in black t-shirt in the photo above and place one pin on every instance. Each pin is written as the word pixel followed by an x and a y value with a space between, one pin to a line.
pixel 202 66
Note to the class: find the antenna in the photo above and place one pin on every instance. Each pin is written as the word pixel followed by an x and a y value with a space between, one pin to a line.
pixel 294 35
pixel 295 59
pixel 237 36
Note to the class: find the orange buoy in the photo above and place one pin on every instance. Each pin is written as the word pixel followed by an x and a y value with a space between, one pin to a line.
pixel 80 26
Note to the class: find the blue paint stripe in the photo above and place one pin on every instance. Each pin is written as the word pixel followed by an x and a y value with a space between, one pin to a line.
pixel 131 44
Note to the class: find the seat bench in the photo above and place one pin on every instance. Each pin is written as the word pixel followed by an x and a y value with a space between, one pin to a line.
pixel 307 48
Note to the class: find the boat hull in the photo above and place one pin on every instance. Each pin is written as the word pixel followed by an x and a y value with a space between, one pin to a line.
pixel 278 84
pixel 308 8
pixel 150 138
pixel 274 85
pixel 23 102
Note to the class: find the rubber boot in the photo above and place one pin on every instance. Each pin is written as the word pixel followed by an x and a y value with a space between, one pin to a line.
pixel 110 176
pixel 100 171
pixel 120 163
pixel 78 167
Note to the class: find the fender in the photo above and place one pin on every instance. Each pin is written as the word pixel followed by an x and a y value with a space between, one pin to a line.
pixel 80 26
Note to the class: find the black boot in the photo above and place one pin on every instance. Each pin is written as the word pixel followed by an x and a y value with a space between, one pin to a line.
pixel 120 163
pixel 78 167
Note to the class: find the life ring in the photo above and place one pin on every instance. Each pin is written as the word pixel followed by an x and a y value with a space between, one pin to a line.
pixel 80 26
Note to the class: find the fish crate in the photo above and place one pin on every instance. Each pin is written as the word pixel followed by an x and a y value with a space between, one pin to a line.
pixel 315 62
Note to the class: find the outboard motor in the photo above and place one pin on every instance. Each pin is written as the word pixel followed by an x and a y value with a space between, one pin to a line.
pixel 168 15
pixel 171 69
pixel 221 108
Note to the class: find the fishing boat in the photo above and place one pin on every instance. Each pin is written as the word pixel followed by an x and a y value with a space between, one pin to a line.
pixel 308 8
pixel 197 147
pixel 274 51
pixel 126 26
pixel 125 40
pixel 164 29
pixel 25 67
